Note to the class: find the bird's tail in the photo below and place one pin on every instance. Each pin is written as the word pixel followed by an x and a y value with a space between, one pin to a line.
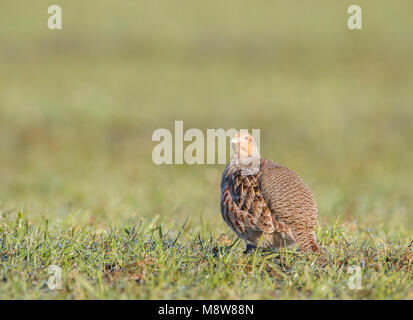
pixel 308 242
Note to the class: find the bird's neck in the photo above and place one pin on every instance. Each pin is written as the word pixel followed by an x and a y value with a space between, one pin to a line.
pixel 247 165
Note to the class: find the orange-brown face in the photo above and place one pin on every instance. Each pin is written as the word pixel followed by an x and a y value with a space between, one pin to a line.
pixel 244 145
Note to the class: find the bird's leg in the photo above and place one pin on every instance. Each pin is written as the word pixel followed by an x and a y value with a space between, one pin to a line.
pixel 249 248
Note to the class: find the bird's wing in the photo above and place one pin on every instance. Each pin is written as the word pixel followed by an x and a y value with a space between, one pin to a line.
pixel 287 196
pixel 250 204
pixel 237 218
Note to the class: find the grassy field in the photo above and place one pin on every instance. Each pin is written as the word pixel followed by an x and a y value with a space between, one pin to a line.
pixel 79 190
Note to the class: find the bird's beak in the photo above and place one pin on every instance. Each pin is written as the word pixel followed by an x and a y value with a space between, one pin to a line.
pixel 234 140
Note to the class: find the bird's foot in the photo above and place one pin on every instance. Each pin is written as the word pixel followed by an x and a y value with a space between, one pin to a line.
pixel 249 248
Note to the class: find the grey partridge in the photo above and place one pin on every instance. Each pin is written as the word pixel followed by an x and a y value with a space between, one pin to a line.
pixel 262 199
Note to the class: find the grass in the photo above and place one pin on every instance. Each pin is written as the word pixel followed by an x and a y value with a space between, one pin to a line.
pixel 78 188
pixel 150 261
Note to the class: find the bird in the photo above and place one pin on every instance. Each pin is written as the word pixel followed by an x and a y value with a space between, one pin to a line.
pixel 265 203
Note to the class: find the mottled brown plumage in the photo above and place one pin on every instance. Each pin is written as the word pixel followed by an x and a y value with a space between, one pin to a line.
pixel 270 201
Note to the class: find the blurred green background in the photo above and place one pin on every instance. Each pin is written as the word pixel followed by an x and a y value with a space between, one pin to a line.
pixel 78 106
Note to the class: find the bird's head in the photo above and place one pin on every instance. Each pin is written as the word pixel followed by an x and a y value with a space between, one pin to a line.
pixel 244 146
